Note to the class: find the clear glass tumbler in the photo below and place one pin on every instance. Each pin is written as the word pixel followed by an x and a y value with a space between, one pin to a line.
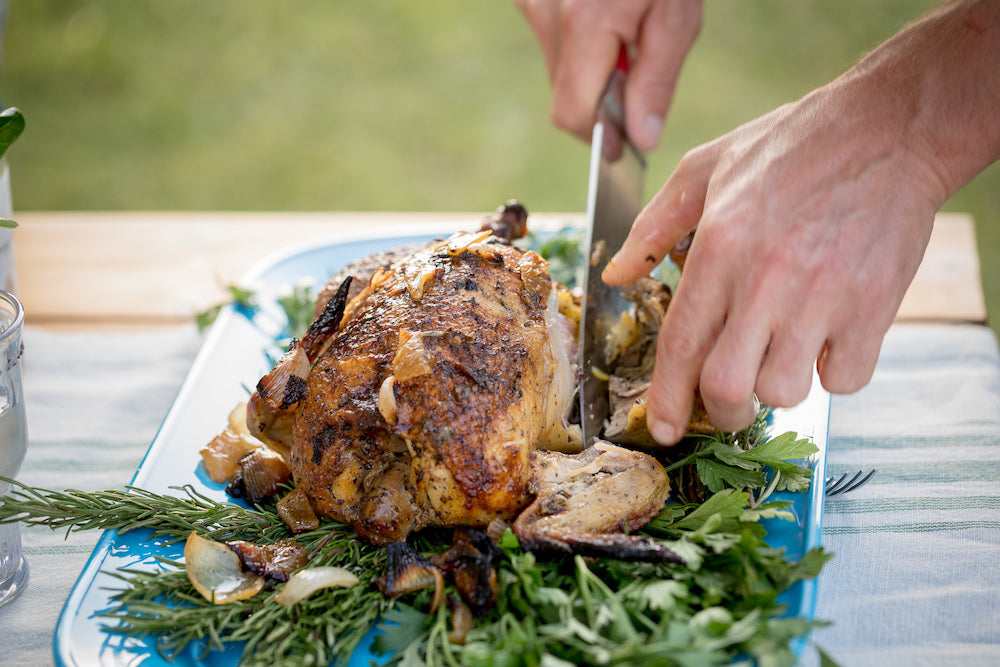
pixel 13 441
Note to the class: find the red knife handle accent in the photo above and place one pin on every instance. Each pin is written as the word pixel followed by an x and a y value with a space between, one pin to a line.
pixel 623 61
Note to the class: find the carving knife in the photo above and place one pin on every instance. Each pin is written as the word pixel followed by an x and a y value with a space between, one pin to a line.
pixel 614 199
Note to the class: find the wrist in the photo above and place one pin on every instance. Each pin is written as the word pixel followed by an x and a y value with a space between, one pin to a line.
pixel 938 85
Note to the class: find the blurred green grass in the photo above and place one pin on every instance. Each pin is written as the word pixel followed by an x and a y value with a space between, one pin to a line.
pixel 386 105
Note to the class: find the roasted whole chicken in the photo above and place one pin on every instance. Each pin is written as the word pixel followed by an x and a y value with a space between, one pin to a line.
pixel 435 388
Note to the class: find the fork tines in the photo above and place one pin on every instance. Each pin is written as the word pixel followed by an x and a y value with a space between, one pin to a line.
pixel 844 483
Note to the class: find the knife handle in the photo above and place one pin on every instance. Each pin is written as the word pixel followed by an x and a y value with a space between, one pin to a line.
pixel 623 60
pixel 611 107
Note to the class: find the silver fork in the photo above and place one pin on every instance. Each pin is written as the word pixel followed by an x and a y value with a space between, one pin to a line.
pixel 846 482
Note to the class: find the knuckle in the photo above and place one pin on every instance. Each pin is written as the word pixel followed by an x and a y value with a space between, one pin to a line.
pixel 722 392
pixel 838 383
pixel 565 117
pixel 842 377
pixel 781 393
pixel 686 16
pixel 693 159
pixel 579 15
pixel 677 344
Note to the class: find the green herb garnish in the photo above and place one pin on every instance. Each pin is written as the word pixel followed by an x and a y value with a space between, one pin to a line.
pixel 749 460
pixel 241 297
pixel 11 127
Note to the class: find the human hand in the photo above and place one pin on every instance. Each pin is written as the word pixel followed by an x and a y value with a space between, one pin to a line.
pixel 811 222
pixel 580 40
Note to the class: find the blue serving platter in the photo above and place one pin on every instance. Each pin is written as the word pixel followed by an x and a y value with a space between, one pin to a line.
pixel 237 351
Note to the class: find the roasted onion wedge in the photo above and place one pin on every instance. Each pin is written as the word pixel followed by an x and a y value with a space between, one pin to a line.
pixel 306 582
pixel 216 572
pixel 295 510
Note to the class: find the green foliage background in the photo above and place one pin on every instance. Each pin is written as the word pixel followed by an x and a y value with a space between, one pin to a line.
pixel 380 105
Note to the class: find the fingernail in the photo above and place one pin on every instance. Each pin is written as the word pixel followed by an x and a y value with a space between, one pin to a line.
pixel 662 432
pixel 649 134
pixel 609 269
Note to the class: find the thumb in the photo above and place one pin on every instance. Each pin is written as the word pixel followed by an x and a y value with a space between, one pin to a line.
pixel 667 34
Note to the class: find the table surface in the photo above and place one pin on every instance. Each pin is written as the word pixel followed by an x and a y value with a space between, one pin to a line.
pixel 109 340
pixel 72 265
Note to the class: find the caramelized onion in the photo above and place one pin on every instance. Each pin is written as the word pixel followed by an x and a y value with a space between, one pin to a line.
pixel 237 419
pixel 276 561
pixel 462 620
pixel 407 572
pixel 295 510
pixel 221 456
pixel 216 572
pixel 387 400
pixel 461 242
pixel 283 386
pixel 417 276
pixel 260 474
pixel 496 529
pixel 411 357
pixel 306 582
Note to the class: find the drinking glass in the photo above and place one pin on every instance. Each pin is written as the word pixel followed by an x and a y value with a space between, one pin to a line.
pixel 13 441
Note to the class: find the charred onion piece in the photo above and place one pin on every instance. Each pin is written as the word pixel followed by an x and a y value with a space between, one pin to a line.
pixel 276 561
pixel 496 529
pixel 216 572
pixel 469 561
pixel 327 322
pixel 295 510
pixel 461 620
pixel 509 221
pixel 259 475
pixel 270 410
pixel 408 572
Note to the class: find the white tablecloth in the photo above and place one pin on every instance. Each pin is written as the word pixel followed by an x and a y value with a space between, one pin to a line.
pixel 915 579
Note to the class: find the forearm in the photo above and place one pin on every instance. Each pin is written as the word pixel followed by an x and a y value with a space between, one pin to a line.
pixel 938 84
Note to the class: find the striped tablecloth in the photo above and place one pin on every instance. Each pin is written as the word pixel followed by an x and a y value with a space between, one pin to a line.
pixel 915 580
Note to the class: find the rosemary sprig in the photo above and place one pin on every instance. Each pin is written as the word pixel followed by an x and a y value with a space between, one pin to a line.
pixel 162 603
pixel 134 508
pixel 322 629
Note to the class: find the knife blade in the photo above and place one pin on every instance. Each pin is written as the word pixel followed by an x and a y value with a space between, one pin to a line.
pixel 614 199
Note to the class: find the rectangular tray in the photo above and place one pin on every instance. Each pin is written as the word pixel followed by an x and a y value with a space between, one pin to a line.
pixel 234 356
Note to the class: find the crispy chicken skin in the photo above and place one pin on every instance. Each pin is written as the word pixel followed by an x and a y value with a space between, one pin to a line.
pixel 424 408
